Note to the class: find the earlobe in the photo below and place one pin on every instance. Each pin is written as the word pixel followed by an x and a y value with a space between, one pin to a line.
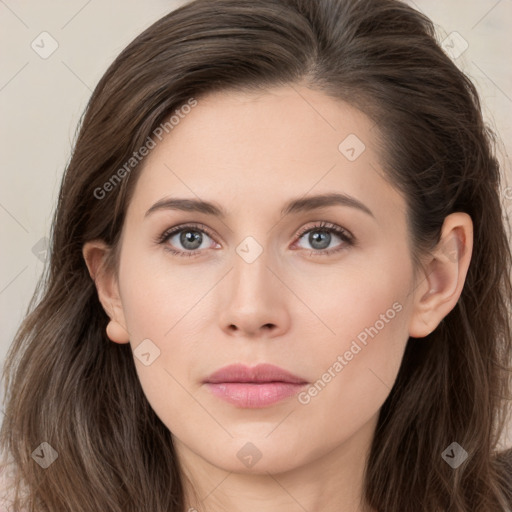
pixel 117 333
pixel 96 254
pixel 443 279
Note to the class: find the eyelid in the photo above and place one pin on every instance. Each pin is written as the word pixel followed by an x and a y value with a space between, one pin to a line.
pixel 181 227
pixel 328 226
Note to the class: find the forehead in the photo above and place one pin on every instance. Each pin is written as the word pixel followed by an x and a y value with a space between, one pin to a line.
pixel 250 149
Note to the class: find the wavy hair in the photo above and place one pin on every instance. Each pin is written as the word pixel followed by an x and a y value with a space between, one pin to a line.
pixel 68 385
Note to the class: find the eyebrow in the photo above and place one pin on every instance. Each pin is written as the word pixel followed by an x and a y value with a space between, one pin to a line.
pixel 294 206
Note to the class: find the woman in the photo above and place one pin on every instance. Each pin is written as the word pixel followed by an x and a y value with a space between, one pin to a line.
pixel 279 277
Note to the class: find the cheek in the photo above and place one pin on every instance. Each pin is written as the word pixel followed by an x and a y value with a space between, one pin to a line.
pixel 158 294
pixel 158 303
pixel 161 303
pixel 366 310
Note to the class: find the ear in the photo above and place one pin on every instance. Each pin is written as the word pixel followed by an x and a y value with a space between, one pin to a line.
pixel 96 254
pixel 441 282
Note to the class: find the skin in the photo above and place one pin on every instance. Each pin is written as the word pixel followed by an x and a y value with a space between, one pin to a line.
pixel 250 154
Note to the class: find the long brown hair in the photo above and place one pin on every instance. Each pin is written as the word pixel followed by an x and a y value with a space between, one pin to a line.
pixel 68 385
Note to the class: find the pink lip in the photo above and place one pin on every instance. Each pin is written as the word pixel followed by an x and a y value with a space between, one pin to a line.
pixel 255 387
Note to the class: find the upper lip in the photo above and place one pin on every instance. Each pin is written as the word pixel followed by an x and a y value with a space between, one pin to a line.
pixel 257 374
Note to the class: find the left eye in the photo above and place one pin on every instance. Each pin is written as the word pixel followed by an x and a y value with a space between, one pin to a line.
pixel 320 238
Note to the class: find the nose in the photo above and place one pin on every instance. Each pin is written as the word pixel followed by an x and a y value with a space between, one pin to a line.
pixel 253 301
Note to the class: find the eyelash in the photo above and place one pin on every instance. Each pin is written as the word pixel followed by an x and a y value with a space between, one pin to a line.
pixel 343 234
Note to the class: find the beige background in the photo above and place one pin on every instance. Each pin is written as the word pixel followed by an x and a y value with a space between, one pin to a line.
pixel 41 101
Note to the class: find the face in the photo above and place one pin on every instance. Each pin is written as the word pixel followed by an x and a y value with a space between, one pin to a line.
pixel 321 289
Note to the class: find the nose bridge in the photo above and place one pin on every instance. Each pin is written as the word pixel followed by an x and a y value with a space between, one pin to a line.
pixel 251 276
pixel 252 300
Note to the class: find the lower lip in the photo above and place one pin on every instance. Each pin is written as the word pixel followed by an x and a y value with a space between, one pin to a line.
pixel 252 396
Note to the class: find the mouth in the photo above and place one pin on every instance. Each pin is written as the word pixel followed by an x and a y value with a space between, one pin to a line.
pixel 256 387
